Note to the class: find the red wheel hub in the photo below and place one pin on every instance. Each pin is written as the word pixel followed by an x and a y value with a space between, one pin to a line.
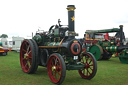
pixel 87 65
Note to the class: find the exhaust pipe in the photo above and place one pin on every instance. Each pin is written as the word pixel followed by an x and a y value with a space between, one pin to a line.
pixel 71 17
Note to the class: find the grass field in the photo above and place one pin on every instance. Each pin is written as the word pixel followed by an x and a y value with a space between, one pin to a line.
pixel 110 72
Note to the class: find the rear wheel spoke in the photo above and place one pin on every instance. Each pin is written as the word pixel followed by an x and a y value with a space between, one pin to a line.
pixel 91 65
pixel 29 64
pixel 55 75
pixel 24 50
pixel 87 71
pixel 90 61
pixel 91 68
pixel 86 59
pixel 29 55
pixel 28 48
pixel 26 65
pixel 29 52
pixel 55 61
pixel 58 73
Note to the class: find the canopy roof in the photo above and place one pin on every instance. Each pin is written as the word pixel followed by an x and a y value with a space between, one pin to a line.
pixel 104 31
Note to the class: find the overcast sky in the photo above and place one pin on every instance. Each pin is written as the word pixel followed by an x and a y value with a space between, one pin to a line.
pixel 22 17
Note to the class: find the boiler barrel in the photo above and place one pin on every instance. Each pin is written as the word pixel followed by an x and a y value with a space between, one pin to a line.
pixel 111 48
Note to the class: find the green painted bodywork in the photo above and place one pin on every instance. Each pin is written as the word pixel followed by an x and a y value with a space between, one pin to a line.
pixel 124 56
pixel 105 31
pixel 56 32
pixel 40 38
pixel 96 51
pixel 104 44
pixel 75 67
pixel 108 45
pixel 37 38
pixel 111 48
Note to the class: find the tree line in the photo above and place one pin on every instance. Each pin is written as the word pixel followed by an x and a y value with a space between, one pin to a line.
pixel 4 36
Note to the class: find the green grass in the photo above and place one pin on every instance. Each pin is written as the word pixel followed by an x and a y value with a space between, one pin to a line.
pixel 110 72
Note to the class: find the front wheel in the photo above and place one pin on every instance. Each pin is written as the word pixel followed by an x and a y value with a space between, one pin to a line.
pixel 90 68
pixel 56 68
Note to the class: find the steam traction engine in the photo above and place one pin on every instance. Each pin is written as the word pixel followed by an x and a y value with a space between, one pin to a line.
pixel 58 50
pixel 104 48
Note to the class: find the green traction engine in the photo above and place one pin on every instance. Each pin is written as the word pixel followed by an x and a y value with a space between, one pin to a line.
pixel 58 50
pixel 105 48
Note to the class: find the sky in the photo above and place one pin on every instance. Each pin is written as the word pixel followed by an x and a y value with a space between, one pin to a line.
pixel 22 17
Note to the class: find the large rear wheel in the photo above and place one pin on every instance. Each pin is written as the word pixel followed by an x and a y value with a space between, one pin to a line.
pixel 56 68
pixel 90 68
pixel 29 56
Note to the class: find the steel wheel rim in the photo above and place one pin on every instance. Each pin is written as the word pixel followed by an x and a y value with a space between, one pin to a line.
pixel 26 56
pixel 89 66
pixel 54 69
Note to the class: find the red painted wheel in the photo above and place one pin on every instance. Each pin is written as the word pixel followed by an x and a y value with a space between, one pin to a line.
pixel 29 56
pixel 90 68
pixel 56 68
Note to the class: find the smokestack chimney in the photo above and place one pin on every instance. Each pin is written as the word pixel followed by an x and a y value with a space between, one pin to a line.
pixel 121 35
pixel 71 17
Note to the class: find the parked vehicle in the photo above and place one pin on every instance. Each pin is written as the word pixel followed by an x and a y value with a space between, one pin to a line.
pixel 3 51
pixel 12 43
pixel 16 43
pixel 103 49
pixel 6 42
pixel 58 50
